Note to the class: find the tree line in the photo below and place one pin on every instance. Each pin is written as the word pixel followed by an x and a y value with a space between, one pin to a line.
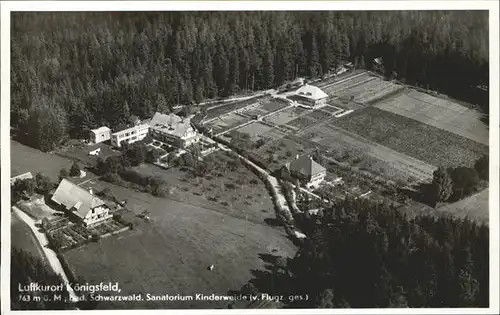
pixel 75 71
pixel 361 254
pixel 453 184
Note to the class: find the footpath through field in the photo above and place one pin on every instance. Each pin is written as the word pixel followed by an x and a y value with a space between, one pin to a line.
pixel 49 253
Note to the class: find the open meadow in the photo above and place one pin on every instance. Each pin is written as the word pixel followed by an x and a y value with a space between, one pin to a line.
pixel 440 113
pixel 233 190
pixel 170 253
pixel 413 138
pixel 25 159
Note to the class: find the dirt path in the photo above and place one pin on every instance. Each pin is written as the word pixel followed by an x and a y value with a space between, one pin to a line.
pixel 49 253
pixel 273 180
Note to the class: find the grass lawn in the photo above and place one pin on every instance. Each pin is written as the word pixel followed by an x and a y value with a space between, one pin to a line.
pixel 81 152
pixel 23 238
pixel 424 142
pixel 474 207
pixel 25 159
pixel 170 254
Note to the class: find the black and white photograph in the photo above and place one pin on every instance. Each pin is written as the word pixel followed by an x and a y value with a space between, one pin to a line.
pixel 204 156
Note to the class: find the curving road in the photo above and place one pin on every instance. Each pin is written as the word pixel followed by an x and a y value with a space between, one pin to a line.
pixel 49 253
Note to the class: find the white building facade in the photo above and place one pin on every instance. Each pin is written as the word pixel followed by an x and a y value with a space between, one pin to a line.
pixel 173 130
pixel 130 135
pixel 100 134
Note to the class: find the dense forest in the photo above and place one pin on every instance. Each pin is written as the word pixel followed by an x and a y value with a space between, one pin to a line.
pixel 361 254
pixel 75 71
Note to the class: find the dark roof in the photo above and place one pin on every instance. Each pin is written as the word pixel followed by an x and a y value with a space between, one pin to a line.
pixel 306 166
pixel 134 119
pixel 71 196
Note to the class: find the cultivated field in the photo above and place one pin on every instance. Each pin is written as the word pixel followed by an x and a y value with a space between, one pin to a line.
pixel 423 142
pixel 355 150
pixel 440 113
pixel 170 254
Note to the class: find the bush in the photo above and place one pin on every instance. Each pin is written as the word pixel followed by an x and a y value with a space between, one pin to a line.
pixel 75 170
pixel 482 167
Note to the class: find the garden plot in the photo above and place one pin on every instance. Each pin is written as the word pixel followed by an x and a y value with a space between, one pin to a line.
pixel 301 123
pixel 272 105
pixel 318 115
pixel 287 115
pixel 254 130
pixel 439 113
pixel 253 110
pixel 332 109
pixel 413 138
pixel 258 130
pixel 355 150
pixel 226 122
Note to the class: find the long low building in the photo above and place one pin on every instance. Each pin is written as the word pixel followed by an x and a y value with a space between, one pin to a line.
pixel 130 135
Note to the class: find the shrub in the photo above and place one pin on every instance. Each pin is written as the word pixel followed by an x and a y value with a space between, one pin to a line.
pixel 75 170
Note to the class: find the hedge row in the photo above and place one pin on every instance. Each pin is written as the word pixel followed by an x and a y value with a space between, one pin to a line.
pixel 283 215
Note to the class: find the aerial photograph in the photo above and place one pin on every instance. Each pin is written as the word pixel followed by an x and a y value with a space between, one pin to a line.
pixel 250 159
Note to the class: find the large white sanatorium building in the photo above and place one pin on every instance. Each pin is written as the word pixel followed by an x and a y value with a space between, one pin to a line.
pixel 173 130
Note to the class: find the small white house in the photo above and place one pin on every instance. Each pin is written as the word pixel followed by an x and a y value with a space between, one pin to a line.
pixel 24 176
pixel 310 96
pixel 100 134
